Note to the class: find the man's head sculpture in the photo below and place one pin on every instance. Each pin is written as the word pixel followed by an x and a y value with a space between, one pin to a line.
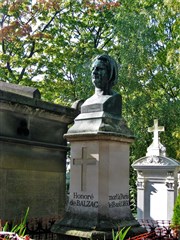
pixel 104 74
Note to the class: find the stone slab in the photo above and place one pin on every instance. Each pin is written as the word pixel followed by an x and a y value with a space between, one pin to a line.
pixel 34 189
pixel 32 155
pixel 31 128
pixel 69 233
pixel 20 90
pixel 31 176
pixel 23 104
pixel 100 122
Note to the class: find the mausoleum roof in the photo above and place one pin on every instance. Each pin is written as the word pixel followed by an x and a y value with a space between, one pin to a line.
pixel 19 96
pixel 156 161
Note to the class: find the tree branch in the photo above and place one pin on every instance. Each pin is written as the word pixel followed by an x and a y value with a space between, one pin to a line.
pixel 22 73
pixel 106 43
pixel 3 47
pixel 32 49
pixel 47 25
pixel 96 38
pixel 9 67
pixel 10 70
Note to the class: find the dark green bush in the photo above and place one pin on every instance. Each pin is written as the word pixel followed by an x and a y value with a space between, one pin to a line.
pixel 176 212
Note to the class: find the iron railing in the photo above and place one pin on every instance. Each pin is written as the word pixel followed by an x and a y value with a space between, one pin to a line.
pixel 40 229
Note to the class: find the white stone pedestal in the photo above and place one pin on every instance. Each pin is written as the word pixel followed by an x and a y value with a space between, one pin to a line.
pixel 99 187
pixel 99 180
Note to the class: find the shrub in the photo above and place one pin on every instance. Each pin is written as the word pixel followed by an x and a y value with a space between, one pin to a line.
pixel 176 213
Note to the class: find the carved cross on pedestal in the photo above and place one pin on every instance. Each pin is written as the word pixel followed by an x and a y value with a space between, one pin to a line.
pixel 83 162
pixel 156 129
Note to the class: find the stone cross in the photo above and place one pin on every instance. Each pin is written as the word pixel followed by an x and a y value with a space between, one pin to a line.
pixel 83 162
pixel 156 129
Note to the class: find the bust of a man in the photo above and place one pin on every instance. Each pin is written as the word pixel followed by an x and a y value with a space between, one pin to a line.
pixel 101 113
pixel 104 77
pixel 104 74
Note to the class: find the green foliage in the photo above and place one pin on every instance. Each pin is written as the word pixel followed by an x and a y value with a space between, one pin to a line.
pixel 20 229
pixel 176 213
pixel 132 189
pixel 120 235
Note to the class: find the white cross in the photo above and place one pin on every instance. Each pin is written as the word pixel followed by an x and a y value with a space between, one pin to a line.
pixel 156 129
pixel 83 162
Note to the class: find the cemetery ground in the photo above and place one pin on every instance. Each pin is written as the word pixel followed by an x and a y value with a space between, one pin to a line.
pixel 39 229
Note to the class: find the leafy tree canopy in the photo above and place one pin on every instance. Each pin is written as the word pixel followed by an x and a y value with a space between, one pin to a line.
pixel 49 44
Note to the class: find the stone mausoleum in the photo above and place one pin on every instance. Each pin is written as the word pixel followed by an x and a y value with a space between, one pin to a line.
pixel 32 153
pixel 157 180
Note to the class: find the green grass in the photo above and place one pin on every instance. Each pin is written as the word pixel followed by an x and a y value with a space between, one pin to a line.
pixel 119 235
pixel 20 229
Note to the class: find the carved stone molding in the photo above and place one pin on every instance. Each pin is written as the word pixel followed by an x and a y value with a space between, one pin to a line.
pixel 140 180
pixel 140 184
pixel 156 161
pixel 170 181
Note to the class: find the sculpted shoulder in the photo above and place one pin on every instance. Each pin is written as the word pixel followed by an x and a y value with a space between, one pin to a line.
pixel 111 104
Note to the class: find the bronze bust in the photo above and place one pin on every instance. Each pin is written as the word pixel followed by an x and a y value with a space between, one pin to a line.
pixel 102 112
pixel 104 77
pixel 104 74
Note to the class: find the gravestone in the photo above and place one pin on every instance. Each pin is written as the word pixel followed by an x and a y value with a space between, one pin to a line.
pixel 157 180
pixel 32 153
pixel 99 180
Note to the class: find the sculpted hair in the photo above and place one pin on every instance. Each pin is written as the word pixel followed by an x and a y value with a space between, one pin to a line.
pixel 112 67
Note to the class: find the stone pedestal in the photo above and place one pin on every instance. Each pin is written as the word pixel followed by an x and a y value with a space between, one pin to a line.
pixel 99 180
pixel 99 184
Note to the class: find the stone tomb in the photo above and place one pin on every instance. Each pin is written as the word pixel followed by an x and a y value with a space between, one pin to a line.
pixel 157 181
pixel 99 180
pixel 32 153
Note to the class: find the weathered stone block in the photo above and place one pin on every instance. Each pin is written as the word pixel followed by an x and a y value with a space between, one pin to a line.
pixel 32 154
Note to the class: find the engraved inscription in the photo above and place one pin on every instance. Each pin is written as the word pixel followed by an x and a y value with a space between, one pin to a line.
pixel 118 200
pixel 88 201
pixel 83 200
